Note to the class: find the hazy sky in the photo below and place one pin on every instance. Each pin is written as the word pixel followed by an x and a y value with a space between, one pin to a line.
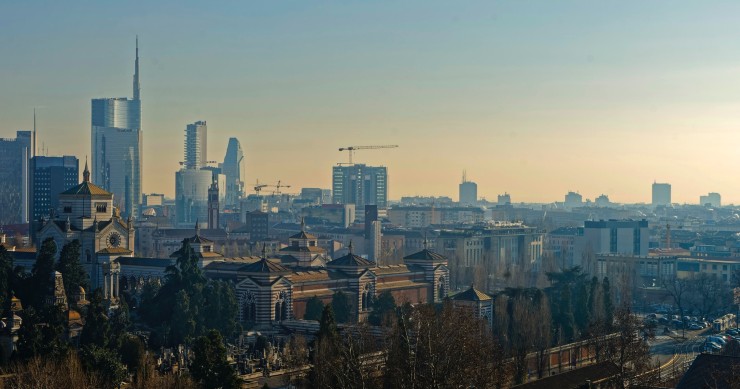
pixel 531 97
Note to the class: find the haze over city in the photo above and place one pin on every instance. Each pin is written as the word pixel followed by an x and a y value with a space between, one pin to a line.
pixel 534 98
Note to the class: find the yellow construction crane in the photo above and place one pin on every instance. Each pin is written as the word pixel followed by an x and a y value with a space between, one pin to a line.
pixel 351 150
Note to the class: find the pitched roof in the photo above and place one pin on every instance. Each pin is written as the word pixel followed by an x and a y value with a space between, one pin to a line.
pixel 303 235
pixel 199 239
pixel 471 294
pixel 351 260
pixel 577 378
pixel 87 188
pixel 264 266
pixel 426 255
pixel 141 261
pixel 719 370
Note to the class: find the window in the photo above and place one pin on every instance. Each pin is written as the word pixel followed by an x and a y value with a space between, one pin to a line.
pixel 101 207
pixel 67 209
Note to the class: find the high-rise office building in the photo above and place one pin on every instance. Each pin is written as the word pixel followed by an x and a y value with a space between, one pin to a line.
pixel 15 156
pixel 468 191
pixel 117 146
pixel 233 169
pixel 661 194
pixel 712 199
pixel 50 176
pixel 360 184
pixel 573 199
pixel 196 145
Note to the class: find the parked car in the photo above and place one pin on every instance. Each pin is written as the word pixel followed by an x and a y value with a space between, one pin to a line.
pixel 733 332
pixel 694 326
pixel 711 347
pixel 663 320
pixel 677 323
pixel 717 339
pixel 652 316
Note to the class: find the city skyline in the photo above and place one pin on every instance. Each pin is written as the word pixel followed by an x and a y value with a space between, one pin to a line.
pixel 606 113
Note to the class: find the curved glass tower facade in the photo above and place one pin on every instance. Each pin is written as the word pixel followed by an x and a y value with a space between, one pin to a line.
pixel 117 147
pixel 233 168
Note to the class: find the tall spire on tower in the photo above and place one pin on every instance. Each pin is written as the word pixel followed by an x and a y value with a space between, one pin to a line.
pixel 86 172
pixel 137 86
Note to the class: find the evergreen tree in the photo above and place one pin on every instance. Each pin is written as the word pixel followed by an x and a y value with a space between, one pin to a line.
pixel 183 320
pixel 384 308
pixel 97 329
pixel 567 322
pixel 6 278
pixel 314 307
pixel 42 333
pixel 71 268
pixel 342 307
pixel 221 307
pixel 210 366
pixel 608 304
pixel 581 312
pixel 105 364
pixel 41 279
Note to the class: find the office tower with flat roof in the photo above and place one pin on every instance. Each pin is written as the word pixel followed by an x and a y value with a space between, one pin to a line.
pixel 712 199
pixel 117 146
pixel 233 169
pixel 196 145
pixel 661 194
pixel 468 191
pixel 50 176
pixel 15 157
pixel 360 185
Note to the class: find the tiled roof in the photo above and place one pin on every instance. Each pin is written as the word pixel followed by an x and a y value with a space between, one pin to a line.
pixel 140 261
pixel 303 235
pixel 351 260
pixel 391 269
pixel 114 250
pixel 264 266
pixel 87 188
pixel 426 255
pixel 312 275
pixel 471 294
pixel 308 249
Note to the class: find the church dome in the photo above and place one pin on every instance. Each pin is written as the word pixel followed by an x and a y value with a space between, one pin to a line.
pixel 73 315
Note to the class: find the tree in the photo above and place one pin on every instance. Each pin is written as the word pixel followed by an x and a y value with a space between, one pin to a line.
pixel 581 311
pixel 384 309
pixel 71 268
pixel 325 358
pixel 565 315
pixel 629 350
pixel 97 330
pixel 105 364
pixel 183 319
pixel 608 304
pixel 314 307
pixel 678 289
pixel 210 366
pixel 6 278
pixel 342 307
pixel 221 307
pixel 41 281
pixel 41 333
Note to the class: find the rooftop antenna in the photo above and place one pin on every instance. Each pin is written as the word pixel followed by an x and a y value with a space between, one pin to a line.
pixel 33 154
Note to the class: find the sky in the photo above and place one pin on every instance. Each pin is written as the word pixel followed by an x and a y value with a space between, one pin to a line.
pixel 533 98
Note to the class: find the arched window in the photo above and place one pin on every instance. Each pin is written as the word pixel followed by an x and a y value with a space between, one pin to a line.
pixel 278 311
pixel 284 311
pixel 442 289
pixel 88 257
pixel 364 301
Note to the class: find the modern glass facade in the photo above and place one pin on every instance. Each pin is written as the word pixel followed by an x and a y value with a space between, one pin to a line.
pixel 196 145
pixel 50 176
pixel 233 168
pixel 15 155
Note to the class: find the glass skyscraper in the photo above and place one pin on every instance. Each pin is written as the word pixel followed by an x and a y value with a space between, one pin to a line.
pixel 15 155
pixel 117 146
pixel 233 168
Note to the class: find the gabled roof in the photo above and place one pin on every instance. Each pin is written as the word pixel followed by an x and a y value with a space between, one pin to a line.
pixel 264 266
pixel 578 378
pixel 303 235
pixel 87 188
pixel 351 260
pixel 199 239
pixel 426 255
pixel 471 294
pixel 710 368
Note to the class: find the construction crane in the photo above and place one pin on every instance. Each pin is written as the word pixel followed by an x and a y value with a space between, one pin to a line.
pixel 351 150
pixel 258 187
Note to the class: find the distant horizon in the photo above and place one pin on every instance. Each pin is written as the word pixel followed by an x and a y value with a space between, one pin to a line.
pixel 532 99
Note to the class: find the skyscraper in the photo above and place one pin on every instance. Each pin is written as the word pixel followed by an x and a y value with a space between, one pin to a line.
pixel 117 146
pixel 360 185
pixel 468 191
pixel 50 176
pixel 661 194
pixel 196 145
pixel 15 155
pixel 233 168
